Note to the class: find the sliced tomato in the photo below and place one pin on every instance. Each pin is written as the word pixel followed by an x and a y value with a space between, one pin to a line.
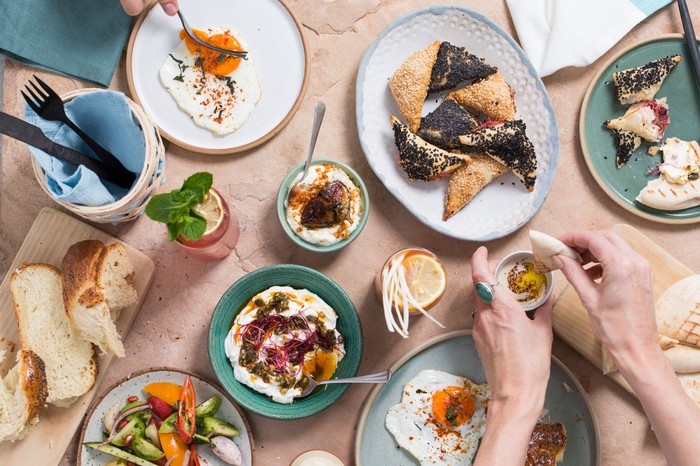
pixel 186 412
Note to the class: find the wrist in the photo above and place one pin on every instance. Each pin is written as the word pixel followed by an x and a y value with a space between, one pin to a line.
pixel 522 409
pixel 641 362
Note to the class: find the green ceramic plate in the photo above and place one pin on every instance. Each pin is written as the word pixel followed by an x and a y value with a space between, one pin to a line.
pixel 455 353
pixel 284 192
pixel 295 276
pixel 600 104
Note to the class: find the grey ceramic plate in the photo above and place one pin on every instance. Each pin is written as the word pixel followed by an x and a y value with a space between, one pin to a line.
pixel 455 353
pixel 92 429
pixel 600 104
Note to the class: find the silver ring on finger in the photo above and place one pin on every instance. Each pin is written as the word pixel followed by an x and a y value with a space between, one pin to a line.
pixel 486 291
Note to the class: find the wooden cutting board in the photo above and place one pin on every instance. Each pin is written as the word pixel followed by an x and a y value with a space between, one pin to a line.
pixel 570 319
pixel 47 242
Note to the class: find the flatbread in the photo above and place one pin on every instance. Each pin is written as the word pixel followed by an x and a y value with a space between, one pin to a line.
pixel 491 96
pixel 678 311
pixel 691 385
pixel 545 247
pixel 409 84
pixel 684 359
pixel 468 180
pixel 662 195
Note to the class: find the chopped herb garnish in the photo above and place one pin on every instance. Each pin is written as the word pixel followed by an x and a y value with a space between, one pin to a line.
pixel 221 57
pixel 229 82
pixel 179 77
pixel 451 415
pixel 175 59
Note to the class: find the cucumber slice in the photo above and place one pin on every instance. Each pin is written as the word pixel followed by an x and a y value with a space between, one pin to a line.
pixel 114 451
pixel 131 405
pixel 200 439
pixel 146 449
pixel 215 426
pixel 135 428
pixel 168 426
pixel 209 407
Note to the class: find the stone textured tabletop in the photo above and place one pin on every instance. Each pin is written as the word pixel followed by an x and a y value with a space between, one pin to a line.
pixel 171 328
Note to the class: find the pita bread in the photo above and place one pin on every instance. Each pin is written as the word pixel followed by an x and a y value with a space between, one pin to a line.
pixel 691 385
pixel 545 247
pixel 491 96
pixel 409 84
pixel 608 365
pixel 468 180
pixel 684 359
pixel 662 195
pixel 678 311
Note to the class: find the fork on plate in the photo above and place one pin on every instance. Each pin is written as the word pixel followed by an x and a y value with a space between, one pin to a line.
pixel 49 106
pixel 379 377
pixel 194 37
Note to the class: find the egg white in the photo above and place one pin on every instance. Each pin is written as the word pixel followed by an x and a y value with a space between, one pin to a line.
pixel 415 428
pixel 207 98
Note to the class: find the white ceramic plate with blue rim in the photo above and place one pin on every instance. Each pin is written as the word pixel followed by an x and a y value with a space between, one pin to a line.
pixel 504 205
pixel 228 411
pixel 454 352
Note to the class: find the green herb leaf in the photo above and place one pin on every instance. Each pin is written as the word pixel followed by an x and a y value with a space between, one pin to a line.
pixel 221 57
pixel 194 227
pixel 158 208
pixel 200 184
pixel 179 62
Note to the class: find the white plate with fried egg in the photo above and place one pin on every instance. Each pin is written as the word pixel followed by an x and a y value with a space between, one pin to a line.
pixel 445 361
pixel 207 106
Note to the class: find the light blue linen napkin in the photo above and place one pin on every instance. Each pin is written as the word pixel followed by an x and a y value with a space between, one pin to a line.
pixel 106 117
pixel 560 33
pixel 80 38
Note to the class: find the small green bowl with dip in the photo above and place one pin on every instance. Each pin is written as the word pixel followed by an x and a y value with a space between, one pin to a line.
pixel 283 193
pixel 517 259
pixel 299 277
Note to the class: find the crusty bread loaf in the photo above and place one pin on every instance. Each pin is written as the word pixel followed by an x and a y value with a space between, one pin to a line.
pixel 23 394
pixel 96 287
pixel 44 328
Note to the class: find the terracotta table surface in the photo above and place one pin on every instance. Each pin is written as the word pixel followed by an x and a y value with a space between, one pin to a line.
pixel 171 328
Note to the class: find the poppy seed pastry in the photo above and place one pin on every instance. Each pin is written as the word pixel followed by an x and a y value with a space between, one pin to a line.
pixel 506 142
pixel 409 83
pixel 455 64
pixel 445 124
pixel 627 143
pixel 642 83
pixel 420 159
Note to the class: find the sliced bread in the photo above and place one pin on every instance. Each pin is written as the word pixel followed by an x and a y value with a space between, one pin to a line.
pixel 44 328
pixel 96 287
pixel 23 394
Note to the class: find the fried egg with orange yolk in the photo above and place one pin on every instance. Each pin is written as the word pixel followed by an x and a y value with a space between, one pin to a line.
pixel 218 91
pixel 440 419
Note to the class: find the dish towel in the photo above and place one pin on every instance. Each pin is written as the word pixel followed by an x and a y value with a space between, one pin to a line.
pixel 79 38
pixel 122 136
pixel 560 33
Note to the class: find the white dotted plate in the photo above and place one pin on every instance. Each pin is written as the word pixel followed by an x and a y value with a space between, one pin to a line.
pixel 503 206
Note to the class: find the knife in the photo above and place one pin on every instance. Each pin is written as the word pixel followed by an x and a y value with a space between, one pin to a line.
pixel 22 131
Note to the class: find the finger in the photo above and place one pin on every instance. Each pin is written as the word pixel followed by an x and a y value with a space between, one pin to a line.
pixel 619 242
pixel 481 272
pixel 132 7
pixel 595 242
pixel 588 258
pixel 543 314
pixel 577 276
pixel 169 6
pixel 595 272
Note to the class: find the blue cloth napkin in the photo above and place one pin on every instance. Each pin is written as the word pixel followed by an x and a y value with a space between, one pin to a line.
pixel 80 38
pixel 106 117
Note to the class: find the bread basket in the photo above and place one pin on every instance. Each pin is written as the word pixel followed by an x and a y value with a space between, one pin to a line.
pixel 134 202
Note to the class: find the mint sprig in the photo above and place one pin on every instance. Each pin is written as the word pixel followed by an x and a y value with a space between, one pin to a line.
pixel 176 208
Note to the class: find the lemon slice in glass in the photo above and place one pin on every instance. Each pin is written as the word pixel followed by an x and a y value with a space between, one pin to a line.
pixel 212 210
pixel 426 280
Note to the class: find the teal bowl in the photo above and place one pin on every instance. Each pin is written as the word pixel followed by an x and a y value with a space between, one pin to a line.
pixel 295 276
pixel 284 192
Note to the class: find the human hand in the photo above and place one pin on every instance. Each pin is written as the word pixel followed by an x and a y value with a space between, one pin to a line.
pixel 620 306
pixel 514 350
pixel 134 7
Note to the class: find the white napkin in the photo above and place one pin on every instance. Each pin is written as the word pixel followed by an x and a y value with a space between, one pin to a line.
pixel 560 33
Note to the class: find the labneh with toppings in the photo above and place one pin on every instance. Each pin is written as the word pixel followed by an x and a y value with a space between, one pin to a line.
pixel 325 207
pixel 281 336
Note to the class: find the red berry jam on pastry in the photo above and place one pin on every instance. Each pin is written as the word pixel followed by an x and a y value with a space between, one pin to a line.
pixel 642 83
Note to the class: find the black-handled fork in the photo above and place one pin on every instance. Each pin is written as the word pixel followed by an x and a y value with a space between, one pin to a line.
pixel 49 106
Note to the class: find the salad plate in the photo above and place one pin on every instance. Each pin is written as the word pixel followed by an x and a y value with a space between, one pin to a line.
pixel 504 205
pixel 275 41
pixel 566 402
pixel 133 386
pixel 600 104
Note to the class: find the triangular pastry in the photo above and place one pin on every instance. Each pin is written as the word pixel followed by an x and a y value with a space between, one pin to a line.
pixel 468 180
pixel 642 83
pixel 545 247
pixel 445 124
pixel 409 84
pixel 506 142
pixel 648 120
pixel 420 159
pixel 627 143
pixel 491 96
pixel 455 64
